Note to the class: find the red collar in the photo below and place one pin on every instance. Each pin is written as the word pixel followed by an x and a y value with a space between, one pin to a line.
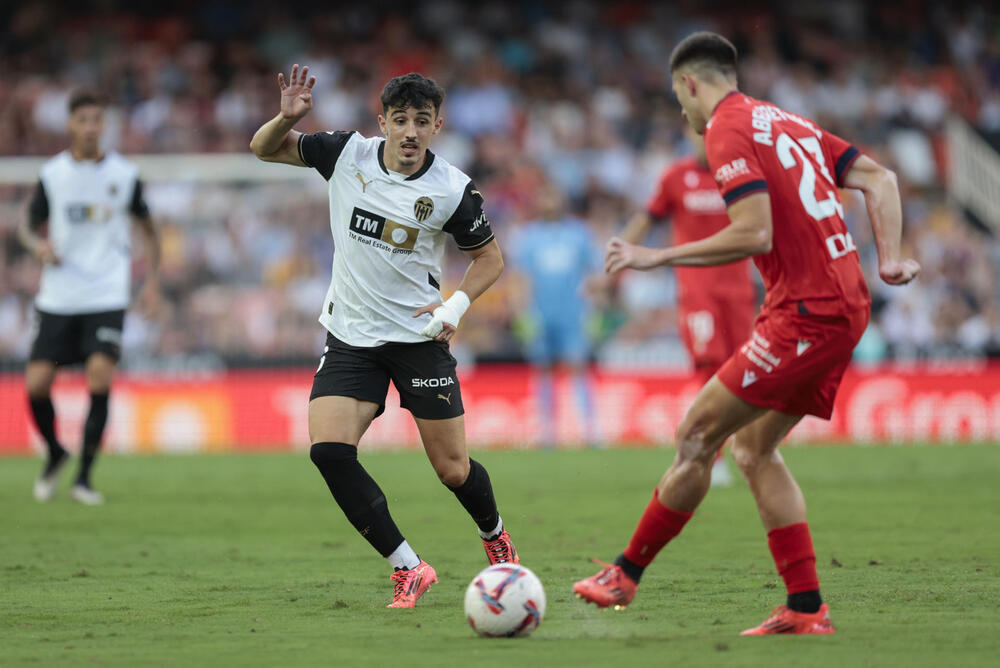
pixel 725 97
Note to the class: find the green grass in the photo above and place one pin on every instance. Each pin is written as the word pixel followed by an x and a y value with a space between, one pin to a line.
pixel 246 560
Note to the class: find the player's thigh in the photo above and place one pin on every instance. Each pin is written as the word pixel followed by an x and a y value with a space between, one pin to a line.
pixel 762 437
pixel 426 376
pixel 56 338
pixel 348 392
pixel 38 377
pixel 101 333
pixel 339 419
pixel 444 443
pixel 570 341
pixel 99 369
pixel 541 348
pixel 715 415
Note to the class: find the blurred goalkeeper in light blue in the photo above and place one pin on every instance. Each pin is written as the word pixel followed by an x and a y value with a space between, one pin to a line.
pixel 556 254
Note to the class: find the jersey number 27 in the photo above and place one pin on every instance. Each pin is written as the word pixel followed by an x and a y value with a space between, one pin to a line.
pixel 790 153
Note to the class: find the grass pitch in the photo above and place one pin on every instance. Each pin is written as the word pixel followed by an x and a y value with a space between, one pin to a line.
pixel 246 560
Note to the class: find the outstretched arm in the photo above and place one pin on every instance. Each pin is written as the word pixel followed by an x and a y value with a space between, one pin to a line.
pixel 881 192
pixel 485 269
pixel 749 233
pixel 276 141
pixel 637 227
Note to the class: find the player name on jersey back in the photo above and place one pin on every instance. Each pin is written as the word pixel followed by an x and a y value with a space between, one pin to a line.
pixel 754 147
pixel 389 231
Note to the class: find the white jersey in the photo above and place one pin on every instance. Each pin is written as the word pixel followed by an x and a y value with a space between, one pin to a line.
pixel 88 206
pixel 389 232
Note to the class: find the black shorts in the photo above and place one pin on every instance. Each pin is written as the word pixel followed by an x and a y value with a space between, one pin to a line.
pixel 69 339
pixel 423 373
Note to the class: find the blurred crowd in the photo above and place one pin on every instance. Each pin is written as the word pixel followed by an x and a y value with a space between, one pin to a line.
pixel 573 96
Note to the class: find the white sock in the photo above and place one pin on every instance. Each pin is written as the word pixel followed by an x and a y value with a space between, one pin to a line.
pixel 497 530
pixel 403 557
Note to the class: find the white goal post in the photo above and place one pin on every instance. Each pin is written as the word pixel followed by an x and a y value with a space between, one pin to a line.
pixel 202 167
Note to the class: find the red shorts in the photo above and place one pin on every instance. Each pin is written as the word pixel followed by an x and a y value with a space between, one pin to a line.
pixel 713 328
pixel 794 363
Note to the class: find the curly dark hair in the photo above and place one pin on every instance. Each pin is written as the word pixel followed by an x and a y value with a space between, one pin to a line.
pixel 412 90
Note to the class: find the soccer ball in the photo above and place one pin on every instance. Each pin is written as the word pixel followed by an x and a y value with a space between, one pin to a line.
pixel 505 601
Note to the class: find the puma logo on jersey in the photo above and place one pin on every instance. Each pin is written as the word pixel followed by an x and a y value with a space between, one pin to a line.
pixel 802 346
pixel 445 398
pixel 749 378
pixel 364 184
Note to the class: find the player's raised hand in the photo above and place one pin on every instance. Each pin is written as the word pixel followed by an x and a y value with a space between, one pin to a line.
pixel 296 93
pixel 620 254
pixel 899 272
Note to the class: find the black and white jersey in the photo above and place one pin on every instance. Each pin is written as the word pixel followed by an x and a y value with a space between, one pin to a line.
pixel 389 232
pixel 88 206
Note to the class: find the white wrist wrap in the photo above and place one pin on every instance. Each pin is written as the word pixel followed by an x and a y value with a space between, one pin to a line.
pixel 450 312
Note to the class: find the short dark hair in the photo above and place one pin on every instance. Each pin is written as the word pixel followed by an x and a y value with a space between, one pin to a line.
pixel 85 97
pixel 412 90
pixel 705 51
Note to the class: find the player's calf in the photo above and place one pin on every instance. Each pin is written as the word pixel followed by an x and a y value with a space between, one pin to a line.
pixel 357 494
pixel 475 493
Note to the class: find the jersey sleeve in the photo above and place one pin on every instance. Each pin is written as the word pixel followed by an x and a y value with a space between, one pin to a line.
pixel 38 210
pixel 322 150
pixel 661 204
pixel 469 224
pixel 841 155
pixel 733 161
pixel 138 207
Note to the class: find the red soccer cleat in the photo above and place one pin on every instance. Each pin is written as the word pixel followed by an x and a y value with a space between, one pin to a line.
pixel 501 550
pixel 784 620
pixel 411 585
pixel 610 587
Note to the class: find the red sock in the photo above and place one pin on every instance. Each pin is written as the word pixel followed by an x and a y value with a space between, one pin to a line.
pixel 792 549
pixel 657 527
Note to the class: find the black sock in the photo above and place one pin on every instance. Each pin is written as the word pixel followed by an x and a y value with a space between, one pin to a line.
pixel 357 494
pixel 93 432
pixel 631 569
pixel 476 496
pixel 805 601
pixel 44 414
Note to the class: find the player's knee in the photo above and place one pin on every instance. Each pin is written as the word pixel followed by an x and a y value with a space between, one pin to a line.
pixel 694 443
pixel 452 471
pixel 749 455
pixel 329 457
pixel 38 386
pixel 744 456
pixel 38 390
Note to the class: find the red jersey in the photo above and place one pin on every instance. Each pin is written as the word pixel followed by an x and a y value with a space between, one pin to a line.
pixel 687 194
pixel 755 147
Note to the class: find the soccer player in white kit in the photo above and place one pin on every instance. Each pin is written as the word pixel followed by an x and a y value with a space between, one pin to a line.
pixel 79 227
pixel 392 205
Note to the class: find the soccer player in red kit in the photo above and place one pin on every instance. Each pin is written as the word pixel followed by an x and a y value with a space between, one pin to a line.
pixel 779 174
pixel 717 303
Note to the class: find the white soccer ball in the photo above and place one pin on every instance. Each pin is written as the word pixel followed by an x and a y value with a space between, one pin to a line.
pixel 505 601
